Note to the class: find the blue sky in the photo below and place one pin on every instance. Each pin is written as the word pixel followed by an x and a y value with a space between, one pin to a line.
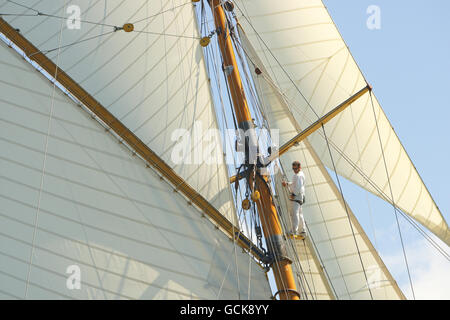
pixel 407 62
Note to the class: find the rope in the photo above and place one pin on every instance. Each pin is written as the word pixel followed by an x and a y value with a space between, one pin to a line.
pixel 320 209
pixel 277 61
pixel 346 210
pixel 392 197
pixel 322 265
pixel 167 34
pixel 161 12
pixel 366 191
pixel 38 13
pixel 43 164
pixel 70 44
pixel 235 195
pixel 260 115
pixel 23 6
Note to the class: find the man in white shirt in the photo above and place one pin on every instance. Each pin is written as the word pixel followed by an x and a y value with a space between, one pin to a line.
pixel 297 195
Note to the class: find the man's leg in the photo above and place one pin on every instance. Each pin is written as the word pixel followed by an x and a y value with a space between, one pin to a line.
pixel 301 220
pixel 296 207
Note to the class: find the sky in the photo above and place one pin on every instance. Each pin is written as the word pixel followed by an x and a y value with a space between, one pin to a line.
pixel 407 62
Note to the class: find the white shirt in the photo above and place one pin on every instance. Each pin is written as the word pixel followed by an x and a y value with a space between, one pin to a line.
pixel 297 186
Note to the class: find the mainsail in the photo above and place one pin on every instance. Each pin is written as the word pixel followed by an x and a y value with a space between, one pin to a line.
pixel 153 79
pixel 93 204
pixel 307 59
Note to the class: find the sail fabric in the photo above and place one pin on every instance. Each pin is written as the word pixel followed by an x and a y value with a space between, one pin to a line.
pixel 342 263
pixel 152 79
pixel 353 267
pixel 307 59
pixel 310 278
pixel 97 208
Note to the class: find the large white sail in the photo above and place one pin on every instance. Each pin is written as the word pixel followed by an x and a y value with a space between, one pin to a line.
pixel 308 60
pixel 311 280
pixel 352 268
pixel 98 208
pixel 152 79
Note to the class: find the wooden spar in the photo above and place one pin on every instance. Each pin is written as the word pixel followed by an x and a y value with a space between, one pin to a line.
pixel 132 140
pixel 320 122
pixel 313 127
pixel 270 223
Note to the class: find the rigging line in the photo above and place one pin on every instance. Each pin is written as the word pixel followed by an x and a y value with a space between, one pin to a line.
pixel 324 72
pixel 70 44
pixel 237 267
pixel 291 244
pixel 309 268
pixel 240 211
pixel 392 196
pixel 23 6
pixel 322 266
pixel 84 21
pixel 44 162
pixel 188 87
pixel 83 57
pixel 368 180
pixel 386 198
pixel 366 193
pixel 277 61
pixel 166 85
pixel 297 255
pixel 319 207
pixel 262 119
pixel 346 210
pixel 38 13
pixel 302 275
pixel 17 15
pixel 264 53
pixel 276 262
pixel 223 280
pixel 133 201
pixel 424 234
pixel 161 12
pixel 402 213
pixel 249 276
pixel 167 34
pixel 138 208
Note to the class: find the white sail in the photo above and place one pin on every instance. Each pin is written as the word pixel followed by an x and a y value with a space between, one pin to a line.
pixel 309 62
pixel 152 79
pixel 311 280
pixel 353 267
pixel 98 209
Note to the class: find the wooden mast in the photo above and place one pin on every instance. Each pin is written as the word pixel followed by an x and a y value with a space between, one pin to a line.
pixel 270 222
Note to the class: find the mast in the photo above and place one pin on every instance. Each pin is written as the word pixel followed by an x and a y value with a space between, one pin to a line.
pixel 270 222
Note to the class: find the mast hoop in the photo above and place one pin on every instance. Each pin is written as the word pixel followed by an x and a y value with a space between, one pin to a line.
pixel 285 291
